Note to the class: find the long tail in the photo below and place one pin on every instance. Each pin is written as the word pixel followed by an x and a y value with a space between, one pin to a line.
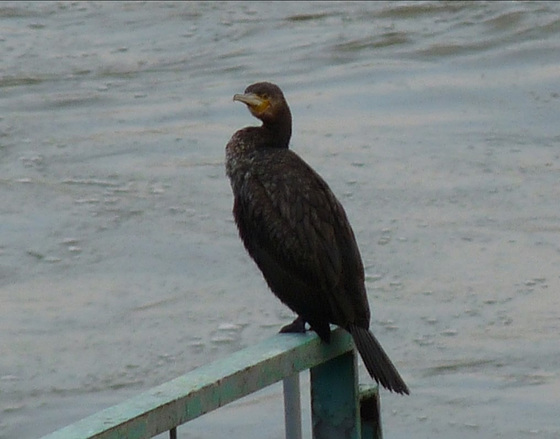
pixel 376 360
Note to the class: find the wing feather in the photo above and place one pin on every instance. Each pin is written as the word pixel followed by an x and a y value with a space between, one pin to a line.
pixel 298 234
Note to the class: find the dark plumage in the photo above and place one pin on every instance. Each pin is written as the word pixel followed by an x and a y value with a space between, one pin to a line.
pixel 297 232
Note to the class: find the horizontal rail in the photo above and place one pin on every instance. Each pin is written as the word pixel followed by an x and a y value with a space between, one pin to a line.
pixel 209 387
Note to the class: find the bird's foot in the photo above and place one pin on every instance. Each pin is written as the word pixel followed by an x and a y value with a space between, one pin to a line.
pixel 298 325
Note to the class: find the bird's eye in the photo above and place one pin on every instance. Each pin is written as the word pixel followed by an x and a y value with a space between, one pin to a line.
pixel 264 96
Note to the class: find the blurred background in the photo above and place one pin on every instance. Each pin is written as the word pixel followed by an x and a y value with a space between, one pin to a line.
pixel 435 123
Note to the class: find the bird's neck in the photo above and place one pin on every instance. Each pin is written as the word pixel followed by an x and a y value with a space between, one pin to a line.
pixel 279 132
pixel 277 138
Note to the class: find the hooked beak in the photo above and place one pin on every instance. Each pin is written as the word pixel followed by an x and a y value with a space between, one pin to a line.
pixel 256 104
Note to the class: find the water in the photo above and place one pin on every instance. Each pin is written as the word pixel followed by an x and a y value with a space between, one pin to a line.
pixel 436 124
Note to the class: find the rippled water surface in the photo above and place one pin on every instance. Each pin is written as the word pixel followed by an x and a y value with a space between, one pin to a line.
pixel 436 124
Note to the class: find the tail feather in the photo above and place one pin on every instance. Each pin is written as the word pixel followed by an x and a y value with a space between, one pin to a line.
pixel 376 360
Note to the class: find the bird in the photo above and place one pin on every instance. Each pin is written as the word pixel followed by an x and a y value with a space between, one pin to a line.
pixel 298 234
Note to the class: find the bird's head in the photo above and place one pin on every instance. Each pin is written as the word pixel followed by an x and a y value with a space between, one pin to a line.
pixel 265 101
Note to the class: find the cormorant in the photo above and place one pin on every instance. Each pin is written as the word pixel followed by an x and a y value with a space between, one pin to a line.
pixel 297 232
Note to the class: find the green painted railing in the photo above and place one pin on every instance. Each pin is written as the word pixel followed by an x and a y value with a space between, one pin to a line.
pixel 338 408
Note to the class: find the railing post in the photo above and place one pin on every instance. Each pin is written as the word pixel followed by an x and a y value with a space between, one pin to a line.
pixel 292 407
pixel 335 404
pixel 370 412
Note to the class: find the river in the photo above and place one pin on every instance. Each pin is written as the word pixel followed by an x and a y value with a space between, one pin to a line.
pixel 436 124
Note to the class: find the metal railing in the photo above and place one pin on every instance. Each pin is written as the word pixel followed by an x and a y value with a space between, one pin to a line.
pixel 339 409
